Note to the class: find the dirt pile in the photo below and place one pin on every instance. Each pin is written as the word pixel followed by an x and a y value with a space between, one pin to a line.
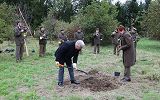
pixel 95 81
pixel 99 82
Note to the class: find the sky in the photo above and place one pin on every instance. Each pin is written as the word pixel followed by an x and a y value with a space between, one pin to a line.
pixel 123 1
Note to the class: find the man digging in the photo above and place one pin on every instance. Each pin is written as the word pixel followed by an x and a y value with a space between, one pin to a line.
pixel 64 54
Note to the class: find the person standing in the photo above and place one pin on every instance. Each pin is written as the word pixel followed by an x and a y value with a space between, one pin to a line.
pixel 19 40
pixel 42 42
pixel 135 38
pixel 134 35
pixel 64 54
pixel 62 37
pixel 115 41
pixel 79 35
pixel 127 46
pixel 97 36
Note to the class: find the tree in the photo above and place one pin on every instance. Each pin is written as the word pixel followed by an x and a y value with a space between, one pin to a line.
pixel 7 17
pixel 98 14
pixel 151 22
pixel 80 4
pixel 147 2
pixel 128 12
pixel 62 9
pixel 34 11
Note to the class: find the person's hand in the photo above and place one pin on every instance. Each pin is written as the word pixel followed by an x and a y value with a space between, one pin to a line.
pixel 41 37
pixel 119 48
pixel 22 30
pixel 57 63
pixel 75 66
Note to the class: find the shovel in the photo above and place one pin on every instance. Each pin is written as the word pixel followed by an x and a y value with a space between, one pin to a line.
pixel 79 70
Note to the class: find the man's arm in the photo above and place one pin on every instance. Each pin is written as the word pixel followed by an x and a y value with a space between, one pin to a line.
pixel 75 58
pixel 17 32
pixel 61 51
pixel 128 40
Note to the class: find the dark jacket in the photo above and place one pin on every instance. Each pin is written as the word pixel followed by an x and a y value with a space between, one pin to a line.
pixel 79 36
pixel 19 37
pixel 43 39
pixel 62 37
pixel 135 36
pixel 115 36
pixel 127 46
pixel 97 38
pixel 65 53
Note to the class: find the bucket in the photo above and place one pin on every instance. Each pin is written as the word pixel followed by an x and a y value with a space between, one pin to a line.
pixel 116 73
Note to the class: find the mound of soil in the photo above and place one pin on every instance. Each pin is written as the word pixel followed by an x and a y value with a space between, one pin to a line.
pixel 92 72
pixel 96 81
pixel 100 82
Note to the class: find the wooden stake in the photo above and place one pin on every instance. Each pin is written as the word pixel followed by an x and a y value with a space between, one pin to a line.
pixel 25 44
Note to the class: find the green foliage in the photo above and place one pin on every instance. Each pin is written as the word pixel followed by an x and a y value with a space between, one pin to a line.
pixel 128 13
pixel 7 17
pixel 149 45
pixel 54 26
pixel 98 14
pixel 31 96
pixel 151 96
pixel 120 98
pixel 63 10
pixel 33 11
pixel 150 24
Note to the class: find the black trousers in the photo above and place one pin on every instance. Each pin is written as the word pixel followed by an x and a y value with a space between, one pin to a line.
pixel 19 51
pixel 42 50
pixel 96 48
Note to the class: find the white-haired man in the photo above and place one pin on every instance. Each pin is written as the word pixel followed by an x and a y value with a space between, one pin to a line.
pixel 64 54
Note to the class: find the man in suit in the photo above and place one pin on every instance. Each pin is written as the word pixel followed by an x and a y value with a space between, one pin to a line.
pixel 64 54
pixel 19 40
pixel 97 36
pixel 127 46
pixel 42 41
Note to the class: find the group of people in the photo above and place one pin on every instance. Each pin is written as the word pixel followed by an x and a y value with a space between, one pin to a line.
pixel 20 39
pixel 123 40
pixel 79 35
pixel 68 51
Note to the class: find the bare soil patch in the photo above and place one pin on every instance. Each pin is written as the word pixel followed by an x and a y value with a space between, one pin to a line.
pixel 96 81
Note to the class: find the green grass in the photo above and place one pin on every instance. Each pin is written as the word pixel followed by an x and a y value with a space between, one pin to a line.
pixel 151 96
pixel 20 80
pixel 149 45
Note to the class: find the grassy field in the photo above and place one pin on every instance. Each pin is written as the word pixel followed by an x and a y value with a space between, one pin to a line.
pixel 35 78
